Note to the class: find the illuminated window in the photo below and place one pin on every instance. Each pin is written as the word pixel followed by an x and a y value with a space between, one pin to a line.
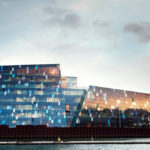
pixel 14 121
pixel 27 69
pixel 50 107
pixel 78 121
pixel 74 108
pixel 26 84
pixel 8 107
pixel 46 77
pixel 18 92
pixel 50 118
pixel 123 116
pixel 94 89
pixel 104 95
pixel 19 99
pixel 3 86
pixel 101 91
pixel 57 90
pixel 77 100
pixel 38 85
pixel 97 94
pixel 3 122
pixel 67 108
pixel 58 113
pixel 1 68
pixel 108 122
pixel 13 75
pixel 112 107
pixel 58 120
pixel 30 92
pixel 16 117
pixel 34 91
pixel 8 90
pixel 48 99
pixel 5 93
pixel 36 67
pixel 39 92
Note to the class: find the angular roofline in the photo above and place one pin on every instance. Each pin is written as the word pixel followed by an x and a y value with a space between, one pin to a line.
pixel 70 76
pixel 30 65
pixel 119 89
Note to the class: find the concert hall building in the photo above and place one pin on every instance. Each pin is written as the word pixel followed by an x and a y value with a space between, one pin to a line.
pixel 39 95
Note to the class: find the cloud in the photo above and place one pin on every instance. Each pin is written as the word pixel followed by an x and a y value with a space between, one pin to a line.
pixel 100 24
pixel 85 34
pixel 67 46
pixel 140 29
pixel 63 17
pixel 85 5
pixel 70 20
pixel 53 10
pixel 106 29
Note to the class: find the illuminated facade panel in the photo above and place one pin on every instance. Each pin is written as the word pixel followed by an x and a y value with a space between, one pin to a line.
pixel 69 82
pixel 115 108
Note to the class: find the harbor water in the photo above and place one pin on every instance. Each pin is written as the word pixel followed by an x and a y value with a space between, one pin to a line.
pixel 78 147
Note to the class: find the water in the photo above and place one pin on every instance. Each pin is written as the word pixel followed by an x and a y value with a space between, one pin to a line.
pixel 78 147
pixel 85 146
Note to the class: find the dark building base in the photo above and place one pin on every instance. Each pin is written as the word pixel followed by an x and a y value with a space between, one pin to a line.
pixel 42 132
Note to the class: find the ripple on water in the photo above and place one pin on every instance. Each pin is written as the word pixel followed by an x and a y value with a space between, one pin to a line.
pixel 78 147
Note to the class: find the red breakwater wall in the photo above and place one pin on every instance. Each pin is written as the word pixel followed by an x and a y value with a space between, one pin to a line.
pixel 41 131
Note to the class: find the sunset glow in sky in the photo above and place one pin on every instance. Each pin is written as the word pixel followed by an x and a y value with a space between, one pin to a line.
pixel 102 42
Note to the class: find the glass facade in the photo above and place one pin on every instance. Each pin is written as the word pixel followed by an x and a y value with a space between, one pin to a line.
pixel 69 82
pixel 115 108
pixel 74 103
pixel 39 95
pixel 32 95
